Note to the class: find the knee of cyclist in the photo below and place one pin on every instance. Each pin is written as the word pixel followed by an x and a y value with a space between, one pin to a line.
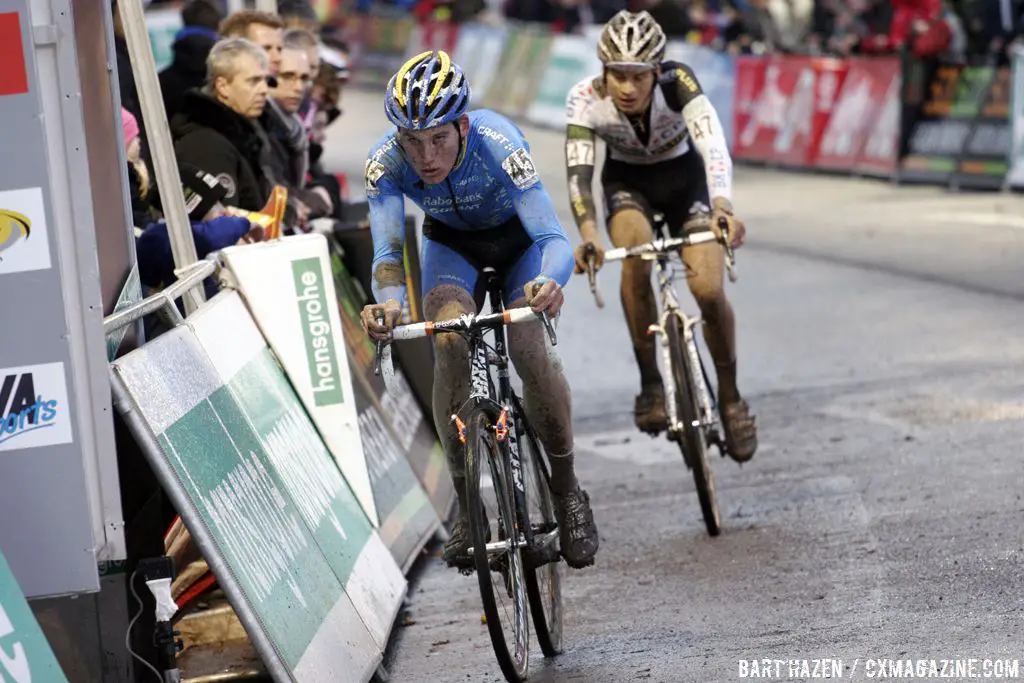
pixel 631 227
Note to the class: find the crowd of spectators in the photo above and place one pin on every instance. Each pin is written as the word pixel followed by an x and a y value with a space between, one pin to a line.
pixel 248 99
pixel 959 29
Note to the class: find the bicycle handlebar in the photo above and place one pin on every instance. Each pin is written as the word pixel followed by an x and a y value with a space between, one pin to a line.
pixel 659 246
pixel 465 323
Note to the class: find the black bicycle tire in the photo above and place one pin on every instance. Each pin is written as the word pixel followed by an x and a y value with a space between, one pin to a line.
pixel 479 433
pixel 549 635
pixel 693 441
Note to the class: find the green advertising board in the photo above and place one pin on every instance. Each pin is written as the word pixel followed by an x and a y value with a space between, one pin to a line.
pixel 24 653
pixel 261 536
pixel 408 516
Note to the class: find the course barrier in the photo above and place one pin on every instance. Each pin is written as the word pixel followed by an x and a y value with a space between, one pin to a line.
pixel 890 117
pixel 309 490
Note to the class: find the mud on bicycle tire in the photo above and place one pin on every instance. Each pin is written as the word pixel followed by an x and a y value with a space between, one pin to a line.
pixel 693 443
pixel 483 450
pixel 545 609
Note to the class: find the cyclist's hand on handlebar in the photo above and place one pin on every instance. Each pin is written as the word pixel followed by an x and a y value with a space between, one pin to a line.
pixel 586 252
pixel 372 314
pixel 723 220
pixel 544 294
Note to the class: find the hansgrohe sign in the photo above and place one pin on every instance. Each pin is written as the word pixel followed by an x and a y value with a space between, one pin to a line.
pixel 316 329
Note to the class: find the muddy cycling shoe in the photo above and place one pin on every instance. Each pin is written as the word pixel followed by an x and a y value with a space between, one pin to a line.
pixel 576 527
pixel 649 410
pixel 740 430
pixel 456 548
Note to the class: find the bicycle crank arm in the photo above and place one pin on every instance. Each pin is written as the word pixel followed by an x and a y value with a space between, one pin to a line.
pixel 496 549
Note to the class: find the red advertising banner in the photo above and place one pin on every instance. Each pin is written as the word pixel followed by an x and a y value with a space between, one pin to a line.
pixel 750 72
pixel 859 106
pixel 816 86
pixel 880 153
pixel 437 35
pixel 13 77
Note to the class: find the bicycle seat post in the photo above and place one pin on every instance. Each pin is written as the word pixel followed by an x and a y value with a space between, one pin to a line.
pixel 493 285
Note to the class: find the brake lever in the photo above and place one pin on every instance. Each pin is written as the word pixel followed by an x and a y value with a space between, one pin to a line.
pixel 592 276
pixel 549 327
pixel 380 350
pixel 730 256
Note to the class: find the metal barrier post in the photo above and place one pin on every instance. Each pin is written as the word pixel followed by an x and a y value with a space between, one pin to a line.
pixel 179 229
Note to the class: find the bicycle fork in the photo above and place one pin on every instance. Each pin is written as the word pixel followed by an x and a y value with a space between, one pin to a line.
pixel 660 330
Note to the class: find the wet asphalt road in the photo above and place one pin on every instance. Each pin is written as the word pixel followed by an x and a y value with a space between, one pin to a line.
pixel 880 333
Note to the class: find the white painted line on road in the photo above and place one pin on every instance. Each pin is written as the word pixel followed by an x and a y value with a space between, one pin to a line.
pixel 1003 220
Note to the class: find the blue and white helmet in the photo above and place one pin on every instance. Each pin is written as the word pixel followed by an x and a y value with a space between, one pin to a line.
pixel 428 91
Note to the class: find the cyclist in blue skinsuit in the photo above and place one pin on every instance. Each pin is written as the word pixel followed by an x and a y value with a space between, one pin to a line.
pixel 472 175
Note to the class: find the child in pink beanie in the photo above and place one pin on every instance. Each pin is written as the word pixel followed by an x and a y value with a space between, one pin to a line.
pixel 133 147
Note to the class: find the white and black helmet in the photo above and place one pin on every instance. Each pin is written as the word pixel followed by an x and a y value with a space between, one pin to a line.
pixel 631 39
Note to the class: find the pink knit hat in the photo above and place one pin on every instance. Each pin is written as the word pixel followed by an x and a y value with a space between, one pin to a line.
pixel 129 126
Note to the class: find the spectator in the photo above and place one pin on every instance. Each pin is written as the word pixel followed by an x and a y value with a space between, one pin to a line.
pixel 916 24
pixel 125 77
pixel 298 14
pixel 326 95
pixel 138 174
pixel 760 25
pixel 291 159
pixel 283 134
pixel 192 46
pixel 301 39
pixel 990 25
pixel 266 30
pixel 217 130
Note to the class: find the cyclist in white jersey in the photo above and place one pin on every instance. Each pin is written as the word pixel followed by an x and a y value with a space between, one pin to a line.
pixel 666 153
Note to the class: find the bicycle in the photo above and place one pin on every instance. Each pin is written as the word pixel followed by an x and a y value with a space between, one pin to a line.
pixel 690 401
pixel 527 550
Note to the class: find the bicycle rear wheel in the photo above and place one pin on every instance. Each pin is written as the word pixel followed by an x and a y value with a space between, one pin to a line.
pixel 694 443
pixel 499 569
pixel 542 564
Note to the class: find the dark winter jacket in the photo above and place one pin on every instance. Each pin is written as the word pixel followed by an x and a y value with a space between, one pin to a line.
pixel 225 144
pixel 191 47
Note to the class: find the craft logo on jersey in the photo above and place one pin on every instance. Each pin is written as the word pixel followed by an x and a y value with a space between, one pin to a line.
pixel 519 167
pixel 33 407
pixel 374 172
pixel 24 244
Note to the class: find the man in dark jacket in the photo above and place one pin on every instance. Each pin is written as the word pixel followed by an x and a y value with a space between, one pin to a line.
pixel 216 128
pixel 285 145
pixel 192 46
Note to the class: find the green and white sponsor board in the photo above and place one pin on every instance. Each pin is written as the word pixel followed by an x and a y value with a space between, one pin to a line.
pixel 478 51
pixel 353 548
pixel 163 25
pixel 257 536
pixel 522 60
pixel 289 288
pixel 571 59
pixel 1015 177
pixel 25 656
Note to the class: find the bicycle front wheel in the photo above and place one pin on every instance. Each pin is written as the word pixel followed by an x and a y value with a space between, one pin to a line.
pixel 543 566
pixel 693 442
pixel 499 565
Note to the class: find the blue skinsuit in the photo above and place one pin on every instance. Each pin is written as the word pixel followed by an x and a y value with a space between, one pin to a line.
pixel 494 183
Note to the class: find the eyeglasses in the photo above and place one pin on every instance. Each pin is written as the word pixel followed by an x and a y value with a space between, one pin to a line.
pixel 291 77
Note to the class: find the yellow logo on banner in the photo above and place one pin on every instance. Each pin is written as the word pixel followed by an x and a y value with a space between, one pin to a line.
pixel 13 227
